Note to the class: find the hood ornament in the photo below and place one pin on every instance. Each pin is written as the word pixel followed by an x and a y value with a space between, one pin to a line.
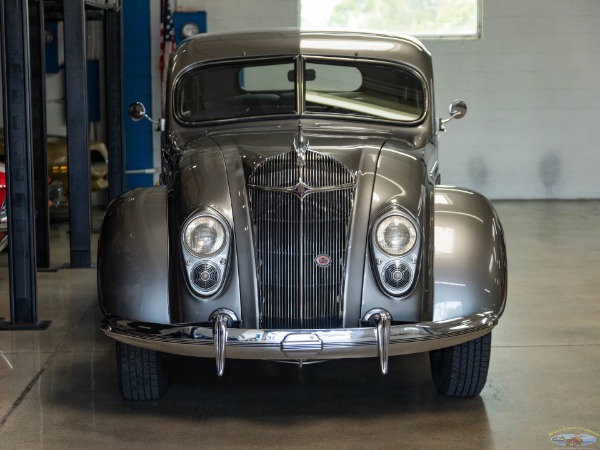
pixel 301 147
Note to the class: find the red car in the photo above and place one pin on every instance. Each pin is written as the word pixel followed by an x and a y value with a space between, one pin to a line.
pixel 3 233
pixel 576 441
pixel 54 197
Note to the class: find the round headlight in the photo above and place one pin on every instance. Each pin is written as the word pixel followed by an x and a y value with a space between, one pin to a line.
pixel 204 236
pixel 396 235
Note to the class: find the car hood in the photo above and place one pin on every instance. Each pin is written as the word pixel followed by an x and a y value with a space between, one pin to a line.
pixel 237 154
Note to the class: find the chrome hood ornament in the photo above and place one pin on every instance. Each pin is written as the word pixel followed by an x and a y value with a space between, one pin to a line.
pixel 301 147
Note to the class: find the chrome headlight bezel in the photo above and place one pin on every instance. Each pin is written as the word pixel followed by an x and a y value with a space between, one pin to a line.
pixel 207 272
pixel 392 221
pixel 396 271
pixel 204 221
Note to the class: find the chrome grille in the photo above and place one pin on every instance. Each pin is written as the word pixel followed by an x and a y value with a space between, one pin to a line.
pixel 301 238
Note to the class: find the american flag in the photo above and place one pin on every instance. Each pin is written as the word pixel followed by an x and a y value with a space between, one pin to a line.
pixel 167 45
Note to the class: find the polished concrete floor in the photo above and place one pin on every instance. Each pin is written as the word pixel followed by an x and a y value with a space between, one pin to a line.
pixel 58 387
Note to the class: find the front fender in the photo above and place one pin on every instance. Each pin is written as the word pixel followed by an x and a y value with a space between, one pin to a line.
pixel 469 264
pixel 133 256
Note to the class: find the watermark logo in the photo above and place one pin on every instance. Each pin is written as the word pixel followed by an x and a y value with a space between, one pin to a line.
pixel 573 437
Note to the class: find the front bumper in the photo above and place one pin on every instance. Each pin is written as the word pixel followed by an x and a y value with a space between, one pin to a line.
pixel 220 342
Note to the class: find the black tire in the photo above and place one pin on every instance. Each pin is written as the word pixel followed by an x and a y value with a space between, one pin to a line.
pixel 461 370
pixel 142 372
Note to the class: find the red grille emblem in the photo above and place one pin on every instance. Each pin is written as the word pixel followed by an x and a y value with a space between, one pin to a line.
pixel 322 260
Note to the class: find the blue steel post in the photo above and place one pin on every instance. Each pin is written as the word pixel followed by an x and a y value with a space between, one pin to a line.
pixel 38 130
pixel 78 152
pixel 113 47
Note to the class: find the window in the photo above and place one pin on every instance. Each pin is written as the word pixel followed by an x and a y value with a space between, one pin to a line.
pixel 270 77
pixel 363 89
pixel 236 90
pixel 421 18
pixel 252 89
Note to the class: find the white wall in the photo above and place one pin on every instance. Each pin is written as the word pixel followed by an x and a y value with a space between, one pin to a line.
pixel 232 15
pixel 532 85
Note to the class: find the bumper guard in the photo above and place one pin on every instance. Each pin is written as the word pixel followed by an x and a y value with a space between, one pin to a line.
pixel 221 341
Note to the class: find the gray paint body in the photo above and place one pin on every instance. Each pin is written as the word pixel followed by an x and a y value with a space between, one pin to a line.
pixel 468 258
pixel 462 271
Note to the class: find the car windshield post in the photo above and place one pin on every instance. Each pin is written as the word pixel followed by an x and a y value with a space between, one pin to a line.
pixel 300 85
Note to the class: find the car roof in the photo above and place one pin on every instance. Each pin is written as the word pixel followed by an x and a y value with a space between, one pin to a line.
pixel 249 44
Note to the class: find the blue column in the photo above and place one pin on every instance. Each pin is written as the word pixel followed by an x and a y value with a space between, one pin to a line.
pixel 137 87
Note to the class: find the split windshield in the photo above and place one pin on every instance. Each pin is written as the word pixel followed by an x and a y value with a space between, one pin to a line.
pixel 268 88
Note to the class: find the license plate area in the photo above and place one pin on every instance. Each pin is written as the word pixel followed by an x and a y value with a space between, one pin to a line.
pixel 302 345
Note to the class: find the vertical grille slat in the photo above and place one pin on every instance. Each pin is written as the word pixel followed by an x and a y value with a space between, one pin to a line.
pixel 292 230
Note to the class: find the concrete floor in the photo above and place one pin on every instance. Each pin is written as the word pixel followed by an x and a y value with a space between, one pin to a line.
pixel 58 387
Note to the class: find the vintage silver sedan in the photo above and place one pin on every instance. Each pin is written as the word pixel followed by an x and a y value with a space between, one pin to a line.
pixel 300 217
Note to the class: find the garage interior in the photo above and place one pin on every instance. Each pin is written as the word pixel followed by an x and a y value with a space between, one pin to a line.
pixel 531 82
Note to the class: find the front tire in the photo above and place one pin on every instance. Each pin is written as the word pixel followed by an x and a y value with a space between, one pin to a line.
pixel 142 372
pixel 461 370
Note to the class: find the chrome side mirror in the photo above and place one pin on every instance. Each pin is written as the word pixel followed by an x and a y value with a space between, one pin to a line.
pixel 137 112
pixel 457 110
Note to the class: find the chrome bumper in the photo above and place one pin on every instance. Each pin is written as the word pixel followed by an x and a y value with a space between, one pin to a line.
pixel 220 342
